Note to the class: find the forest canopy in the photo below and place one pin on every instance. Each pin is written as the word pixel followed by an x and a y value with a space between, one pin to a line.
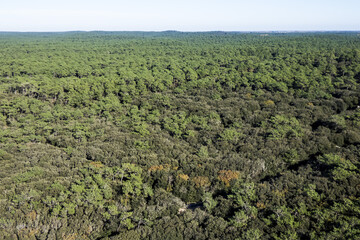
pixel 169 135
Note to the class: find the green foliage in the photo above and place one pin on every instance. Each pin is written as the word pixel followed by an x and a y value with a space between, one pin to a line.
pixel 253 234
pixel 355 118
pixel 208 201
pixel 286 220
pixel 203 152
pixel 32 173
pixel 279 127
pixel 230 134
pixel 310 190
pixel 176 125
pixel 244 195
pixel 131 135
pixel 339 167
pixel 291 156
pixel 240 219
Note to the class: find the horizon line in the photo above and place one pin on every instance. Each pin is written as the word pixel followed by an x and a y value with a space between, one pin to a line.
pixel 180 31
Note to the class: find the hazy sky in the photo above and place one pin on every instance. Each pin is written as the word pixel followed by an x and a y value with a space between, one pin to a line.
pixel 184 15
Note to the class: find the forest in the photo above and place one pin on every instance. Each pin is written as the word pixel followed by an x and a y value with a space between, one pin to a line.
pixel 175 135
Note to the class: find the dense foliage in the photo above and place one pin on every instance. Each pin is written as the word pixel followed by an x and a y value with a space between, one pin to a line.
pixel 179 136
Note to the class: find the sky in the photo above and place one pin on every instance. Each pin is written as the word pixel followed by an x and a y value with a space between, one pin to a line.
pixel 184 15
